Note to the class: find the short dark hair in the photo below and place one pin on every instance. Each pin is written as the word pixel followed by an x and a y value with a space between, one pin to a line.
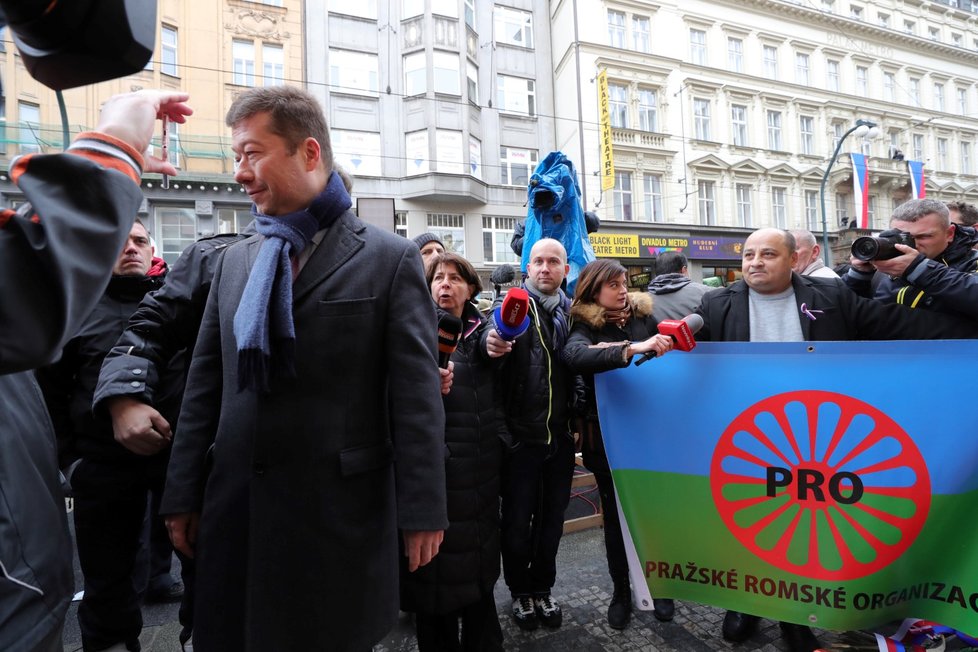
pixel 670 262
pixel 295 115
pixel 968 212
pixel 464 267
pixel 593 277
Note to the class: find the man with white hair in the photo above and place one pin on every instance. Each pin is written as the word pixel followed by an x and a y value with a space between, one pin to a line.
pixel 810 256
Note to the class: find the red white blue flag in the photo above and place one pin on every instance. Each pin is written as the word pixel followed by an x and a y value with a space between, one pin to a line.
pixel 917 185
pixel 860 188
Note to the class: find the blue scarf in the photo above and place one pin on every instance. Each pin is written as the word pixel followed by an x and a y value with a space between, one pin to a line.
pixel 556 305
pixel 263 326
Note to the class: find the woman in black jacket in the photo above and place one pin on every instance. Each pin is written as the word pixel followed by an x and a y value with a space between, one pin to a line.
pixel 610 325
pixel 458 583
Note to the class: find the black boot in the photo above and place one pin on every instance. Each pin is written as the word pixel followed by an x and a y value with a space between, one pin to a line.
pixel 620 609
pixel 799 638
pixel 663 609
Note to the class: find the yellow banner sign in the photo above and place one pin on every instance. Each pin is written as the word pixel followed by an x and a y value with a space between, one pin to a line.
pixel 614 245
pixel 607 155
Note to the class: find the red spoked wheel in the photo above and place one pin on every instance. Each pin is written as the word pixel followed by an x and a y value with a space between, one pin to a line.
pixel 820 484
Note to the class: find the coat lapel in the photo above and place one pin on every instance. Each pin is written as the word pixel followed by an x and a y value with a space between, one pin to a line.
pixel 341 241
pixel 739 306
pixel 803 296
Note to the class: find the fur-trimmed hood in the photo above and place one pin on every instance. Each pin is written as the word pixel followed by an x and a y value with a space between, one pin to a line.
pixel 593 315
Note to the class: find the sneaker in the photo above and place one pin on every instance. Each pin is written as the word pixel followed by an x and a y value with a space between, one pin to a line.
pixel 524 614
pixel 548 611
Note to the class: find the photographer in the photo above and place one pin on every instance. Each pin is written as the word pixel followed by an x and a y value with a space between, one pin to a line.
pixel 936 273
pixel 56 256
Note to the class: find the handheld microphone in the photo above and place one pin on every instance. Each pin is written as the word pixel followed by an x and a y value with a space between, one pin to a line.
pixel 511 319
pixel 449 334
pixel 681 331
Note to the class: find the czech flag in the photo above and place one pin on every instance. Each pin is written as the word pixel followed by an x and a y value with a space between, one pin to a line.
pixel 860 188
pixel 917 185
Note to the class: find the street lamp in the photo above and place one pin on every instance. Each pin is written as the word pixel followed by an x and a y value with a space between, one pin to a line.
pixel 863 129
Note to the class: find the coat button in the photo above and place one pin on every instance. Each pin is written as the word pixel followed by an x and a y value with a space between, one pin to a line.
pixel 135 383
pixel 136 372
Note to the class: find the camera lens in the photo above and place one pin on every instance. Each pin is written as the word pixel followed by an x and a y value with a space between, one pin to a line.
pixel 866 248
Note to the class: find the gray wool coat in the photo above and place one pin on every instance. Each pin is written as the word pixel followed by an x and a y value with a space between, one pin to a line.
pixel 303 490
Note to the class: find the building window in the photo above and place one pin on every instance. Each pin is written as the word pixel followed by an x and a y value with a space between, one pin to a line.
pixel 838 129
pixel 168 50
pixel 652 184
pixel 450 229
pixel 778 211
pixel 358 8
pixel 706 194
pixel 514 27
pixel 616 29
pixel 841 208
pixel 855 12
pixel 445 8
pixel 400 224
pixel 448 151
pixel 862 81
pixel 806 130
pixel 243 66
pixel 516 166
pixel 648 110
pixel 697 46
pixel 273 64
pixel 416 152
pixel 938 96
pixel 801 68
pixel 738 124
pixel 918 147
pixel 353 72
pixel 915 91
pixel 909 27
pixel 832 75
pixel 934 33
pixel 883 20
pixel 173 146
pixel 472 82
pixel 232 220
pixel 475 157
pixel 701 118
pixel 30 130
pixel 622 196
pixel 469 13
pixel 942 153
pixel 618 105
pixel 774 130
pixel 770 62
pixel 811 210
pixel 415 74
pixel 828 5
pixel 957 39
pixel 641 34
pixel 871 212
pixel 965 158
pixel 735 54
pixel 889 87
pixel 446 71
pixel 496 235
pixel 743 205
pixel 516 95
pixel 357 151
pixel 963 101
pixel 176 229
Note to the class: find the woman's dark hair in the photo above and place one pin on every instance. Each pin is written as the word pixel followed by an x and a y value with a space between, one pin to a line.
pixel 593 277
pixel 464 267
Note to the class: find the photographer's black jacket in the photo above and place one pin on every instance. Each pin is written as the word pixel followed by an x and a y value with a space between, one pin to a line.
pixel 947 285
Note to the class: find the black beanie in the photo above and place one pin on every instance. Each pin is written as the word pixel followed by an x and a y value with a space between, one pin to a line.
pixel 425 238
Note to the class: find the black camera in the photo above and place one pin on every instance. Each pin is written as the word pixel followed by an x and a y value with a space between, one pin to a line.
pixel 882 246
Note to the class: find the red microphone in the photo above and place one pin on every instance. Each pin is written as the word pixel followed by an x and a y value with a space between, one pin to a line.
pixel 510 319
pixel 681 331
pixel 449 335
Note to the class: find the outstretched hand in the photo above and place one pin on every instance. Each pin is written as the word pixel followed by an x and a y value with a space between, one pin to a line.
pixel 132 119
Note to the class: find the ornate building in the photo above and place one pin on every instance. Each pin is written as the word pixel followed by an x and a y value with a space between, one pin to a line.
pixel 211 50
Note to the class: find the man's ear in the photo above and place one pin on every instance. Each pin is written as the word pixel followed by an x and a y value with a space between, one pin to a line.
pixel 952 229
pixel 313 153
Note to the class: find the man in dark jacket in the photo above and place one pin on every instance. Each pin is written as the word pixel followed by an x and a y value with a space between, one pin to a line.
pixel 111 482
pixel 675 294
pixel 56 253
pixel 937 274
pixel 773 304
pixel 536 388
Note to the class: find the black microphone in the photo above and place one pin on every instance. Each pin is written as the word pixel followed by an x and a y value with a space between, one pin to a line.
pixel 503 275
pixel 681 331
pixel 449 334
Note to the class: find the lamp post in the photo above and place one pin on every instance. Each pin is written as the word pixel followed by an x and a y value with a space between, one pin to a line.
pixel 864 129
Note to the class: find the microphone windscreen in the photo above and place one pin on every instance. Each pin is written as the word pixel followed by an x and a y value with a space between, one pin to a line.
pixel 694 321
pixel 503 275
pixel 515 306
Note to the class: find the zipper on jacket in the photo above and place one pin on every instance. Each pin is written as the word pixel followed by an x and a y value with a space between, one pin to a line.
pixel 550 387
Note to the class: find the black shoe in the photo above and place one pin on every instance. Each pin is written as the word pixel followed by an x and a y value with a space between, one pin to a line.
pixel 663 609
pixel 799 638
pixel 548 611
pixel 620 609
pixel 172 593
pixel 524 614
pixel 738 627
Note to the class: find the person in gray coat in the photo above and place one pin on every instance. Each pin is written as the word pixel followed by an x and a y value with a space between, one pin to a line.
pixel 312 429
pixel 675 294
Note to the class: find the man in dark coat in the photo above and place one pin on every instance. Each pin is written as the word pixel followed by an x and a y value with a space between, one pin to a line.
pixel 312 427
pixel 773 304
pixel 111 483
pixel 56 255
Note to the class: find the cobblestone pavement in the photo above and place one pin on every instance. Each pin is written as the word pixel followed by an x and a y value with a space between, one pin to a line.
pixel 584 590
